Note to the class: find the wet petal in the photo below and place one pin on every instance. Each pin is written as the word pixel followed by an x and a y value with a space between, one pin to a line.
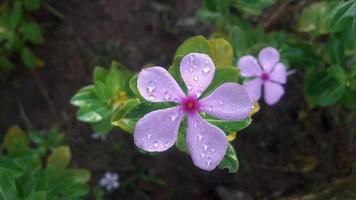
pixel 279 73
pixel 207 144
pixel 253 88
pixel 268 58
pixel 229 101
pixel 155 84
pixel 157 131
pixel 273 92
pixel 197 71
pixel 249 66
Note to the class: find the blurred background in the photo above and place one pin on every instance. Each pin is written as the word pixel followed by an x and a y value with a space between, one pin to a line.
pixel 290 151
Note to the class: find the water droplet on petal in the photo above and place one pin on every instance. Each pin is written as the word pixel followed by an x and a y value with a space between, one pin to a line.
pixel 198 93
pixel 212 150
pixel 174 117
pixel 200 85
pixel 167 95
pixel 205 147
pixel 149 136
pixel 151 86
pixel 190 87
pixel 167 144
pixel 202 155
pixel 206 69
pixel 208 163
pixel 210 108
pixel 195 78
pixel 200 137
pixel 191 69
pixel 155 144
pixel 151 97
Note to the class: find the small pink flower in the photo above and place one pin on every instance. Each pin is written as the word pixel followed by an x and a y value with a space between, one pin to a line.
pixel 271 75
pixel 157 131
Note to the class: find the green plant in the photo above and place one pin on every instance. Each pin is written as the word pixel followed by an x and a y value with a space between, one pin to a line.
pixel 34 166
pixel 19 31
pixel 109 92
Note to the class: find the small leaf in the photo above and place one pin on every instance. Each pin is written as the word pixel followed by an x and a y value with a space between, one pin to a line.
pixel 80 175
pixel 93 112
pixel 230 126
pixel 41 195
pixel 338 73
pixel 32 5
pixel 84 96
pixel 32 32
pixel 197 44
pixel 16 15
pixel 7 185
pixel 230 161
pixel 103 126
pixel 100 74
pixel 335 49
pixel 331 95
pixel 15 137
pixel 222 52
pixel 60 157
pixel 28 58
pixel 133 86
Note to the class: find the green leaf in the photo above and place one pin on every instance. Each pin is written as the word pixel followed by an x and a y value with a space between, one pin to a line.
pixel 93 112
pixel 41 195
pixel 16 15
pixel 31 32
pixel 114 82
pixel 230 161
pixel 230 126
pixel 6 64
pixel 335 49
pixel 103 126
pixel 348 99
pixel 84 96
pixel 14 138
pixel 102 91
pixel 32 5
pixel 133 86
pixel 14 41
pixel 127 121
pixel 80 175
pixel 222 52
pixel 181 141
pixel 7 185
pixel 28 58
pixel 315 84
pixel 314 18
pixel 338 73
pixel 100 74
pixel 60 157
pixel 238 39
pixel 331 95
pixel 197 44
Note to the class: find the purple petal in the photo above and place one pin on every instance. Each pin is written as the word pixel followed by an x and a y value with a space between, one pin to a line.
pixel 273 92
pixel 155 84
pixel 207 144
pixel 268 58
pixel 253 88
pixel 197 71
pixel 279 73
pixel 230 101
pixel 249 66
pixel 157 131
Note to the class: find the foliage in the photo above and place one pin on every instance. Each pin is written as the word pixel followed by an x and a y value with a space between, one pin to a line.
pixel 221 52
pixel 97 102
pixel 321 44
pixel 34 166
pixel 19 31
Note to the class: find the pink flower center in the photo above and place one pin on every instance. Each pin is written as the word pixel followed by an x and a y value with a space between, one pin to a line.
pixel 265 76
pixel 190 105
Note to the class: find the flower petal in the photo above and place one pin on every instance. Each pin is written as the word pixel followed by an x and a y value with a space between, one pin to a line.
pixel 207 144
pixel 230 101
pixel 157 131
pixel 279 73
pixel 268 58
pixel 197 71
pixel 155 84
pixel 249 66
pixel 273 92
pixel 253 88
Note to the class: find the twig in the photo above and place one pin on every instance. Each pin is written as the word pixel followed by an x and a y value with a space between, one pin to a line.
pixel 275 16
pixel 24 115
pixel 45 95
pixel 53 11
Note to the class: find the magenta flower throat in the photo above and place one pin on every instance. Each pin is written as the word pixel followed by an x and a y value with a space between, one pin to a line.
pixel 157 131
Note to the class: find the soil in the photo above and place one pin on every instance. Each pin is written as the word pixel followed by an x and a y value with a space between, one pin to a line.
pixel 286 150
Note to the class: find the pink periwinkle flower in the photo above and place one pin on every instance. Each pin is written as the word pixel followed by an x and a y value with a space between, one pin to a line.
pixel 157 131
pixel 272 75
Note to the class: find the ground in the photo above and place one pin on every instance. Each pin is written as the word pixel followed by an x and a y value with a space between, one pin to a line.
pixel 286 150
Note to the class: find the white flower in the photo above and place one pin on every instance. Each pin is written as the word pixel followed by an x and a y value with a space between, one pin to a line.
pixel 98 136
pixel 110 181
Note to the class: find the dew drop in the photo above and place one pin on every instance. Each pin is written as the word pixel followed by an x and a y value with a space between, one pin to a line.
pixel 151 97
pixel 174 117
pixel 206 69
pixel 200 85
pixel 151 86
pixel 202 155
pixel 195 78
pixel 205 147
pixel 208 163
pixel 198 93
pixel 167 144
pixel 191 69
pixel 167 95
pixel 155 144
pixel 210 108
pixel 190 87
pixel 149 136
pixel 200 137
pixel 212 150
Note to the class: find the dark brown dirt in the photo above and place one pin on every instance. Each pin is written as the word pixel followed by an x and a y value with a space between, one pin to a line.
pixel 138 32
